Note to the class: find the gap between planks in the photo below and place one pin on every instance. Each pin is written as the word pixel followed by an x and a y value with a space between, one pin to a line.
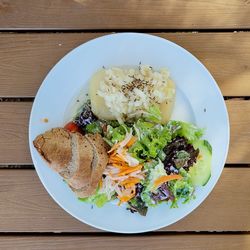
pixel 152 31
pixel 31 166
pixel 104 233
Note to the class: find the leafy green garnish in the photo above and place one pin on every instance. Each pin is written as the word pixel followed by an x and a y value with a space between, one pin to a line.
pixel 162 155
pixel 139 151
pixel 117 134
pixel 155 169
pixel 182 189
pixel 152 139
pixel 181 158
pixel 99 199
pixel 139 205
pixel 113 123
pixel 153 114
pixel 94 127
pixel 146 197
pixel 187 130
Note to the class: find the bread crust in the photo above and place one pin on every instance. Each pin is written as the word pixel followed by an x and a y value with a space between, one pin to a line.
pixel 82 175
pixel 98 165
pixel 100 160
pixel 55 148
pixel 81 160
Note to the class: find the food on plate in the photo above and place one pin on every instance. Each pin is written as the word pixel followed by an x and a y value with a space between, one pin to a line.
pixel 123 146
pixel 122 94
pixel 98 164
pixel 79 159
pixel 55 148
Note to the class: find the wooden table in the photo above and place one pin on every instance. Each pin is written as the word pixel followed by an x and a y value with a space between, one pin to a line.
pixel 36 34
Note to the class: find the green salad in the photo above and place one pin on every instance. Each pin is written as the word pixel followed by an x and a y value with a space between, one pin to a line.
pixel 149 162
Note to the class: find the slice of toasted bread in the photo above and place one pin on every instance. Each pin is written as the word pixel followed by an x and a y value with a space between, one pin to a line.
pixel 100 159
pixel 55 148
pixel 82 161
pixel 99 162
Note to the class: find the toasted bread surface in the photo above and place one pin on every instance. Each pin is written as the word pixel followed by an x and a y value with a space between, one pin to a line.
pixel 55 148
pixel 82 161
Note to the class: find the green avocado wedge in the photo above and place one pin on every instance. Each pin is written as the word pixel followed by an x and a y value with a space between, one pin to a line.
pixel 201 171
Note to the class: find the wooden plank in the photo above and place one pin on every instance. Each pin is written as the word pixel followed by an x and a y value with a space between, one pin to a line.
pixel 240 133
pixel 146 242
pixel 14 147
pixel 27 58
pixel 132 14
pixel 14 132
pixel 26 207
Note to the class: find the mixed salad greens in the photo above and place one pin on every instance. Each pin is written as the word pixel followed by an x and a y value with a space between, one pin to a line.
pixel 149 163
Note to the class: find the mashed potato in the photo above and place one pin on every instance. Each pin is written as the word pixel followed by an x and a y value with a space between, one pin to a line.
pixel 120 93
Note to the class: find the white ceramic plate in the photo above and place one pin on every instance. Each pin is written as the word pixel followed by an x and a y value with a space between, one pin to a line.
pixel 199 100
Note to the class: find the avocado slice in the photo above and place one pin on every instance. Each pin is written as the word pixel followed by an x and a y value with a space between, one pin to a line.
pixel 200 172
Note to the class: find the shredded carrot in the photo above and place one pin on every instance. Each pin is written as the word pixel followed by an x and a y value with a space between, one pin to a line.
pixel 115 161
pixel 115 146
pixel 166 178
pixel 115 158
pixel 124 151
pixel 131 141
pixel 113 153
pixel 119 165
pixel 127 197
pixel 118 160
pixel 130 170
pixel 130 185
pixel 130 182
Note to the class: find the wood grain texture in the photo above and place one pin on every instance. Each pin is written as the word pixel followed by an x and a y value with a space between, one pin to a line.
pixel 25 206
pixel 146 242
pixel 27 58
pixel 14 132
pixel 14 147
pixel 239 149
pixel 130 14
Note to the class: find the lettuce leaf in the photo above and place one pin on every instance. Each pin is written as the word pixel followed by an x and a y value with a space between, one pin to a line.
pixel 137 204
pixel 152 139
pixel 187 130
pixel 155 170
pixel 94 127
pixel 116 134
pixel 182 189
pixel 153 114
pixel 99 199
